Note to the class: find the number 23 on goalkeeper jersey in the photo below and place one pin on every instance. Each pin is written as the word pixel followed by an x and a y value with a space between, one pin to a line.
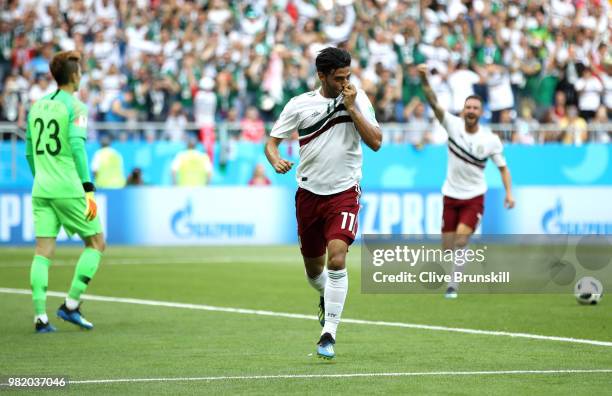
pixel 52 121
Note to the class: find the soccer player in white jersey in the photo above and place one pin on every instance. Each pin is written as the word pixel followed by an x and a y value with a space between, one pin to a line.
pixel 331 122
pixel 469 146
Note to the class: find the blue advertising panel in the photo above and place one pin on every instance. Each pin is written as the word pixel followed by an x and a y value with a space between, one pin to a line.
pixel 247 215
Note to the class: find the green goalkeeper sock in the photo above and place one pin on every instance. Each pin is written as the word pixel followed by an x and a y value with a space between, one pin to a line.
pixel 39 280
pixel 85 270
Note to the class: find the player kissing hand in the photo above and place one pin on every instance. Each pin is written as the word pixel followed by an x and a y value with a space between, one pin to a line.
pixel 350 93
pixel 283 166
pixel 91 209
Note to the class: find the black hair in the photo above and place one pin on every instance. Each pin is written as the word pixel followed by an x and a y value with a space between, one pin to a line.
pixel 477 97
pixel 332 58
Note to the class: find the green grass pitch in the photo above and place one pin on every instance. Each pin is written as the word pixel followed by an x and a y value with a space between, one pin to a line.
pixel 133 341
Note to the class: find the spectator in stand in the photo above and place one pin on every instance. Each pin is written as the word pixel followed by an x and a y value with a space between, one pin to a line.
pixel 607 82
pixel 411 85
pixel 504 125
pixel 204 109
pixel 252 127
pixel 122 110
pixel 158 99
pixel 601 134
pixel 44 85
pixel 175 124
pixel 112 83
pixel 437 55
pixel 489 53
pixel 104 51
pixel 260 53
pixel 232 123
pixel 295 81
pixel 135 178
pixel 574 127
pixel 589 89
pixel 387 97
pixel 39 64
pixel 418 125
pixel 531 68
pixel 545 88
pixel 338 24
pixel 259 177
pixel 526 125
pixel 560 107
pixel 227 94
pixel 499 90
pixel 550 130
pixel 461 81
pixel 205 103
pixel 14 98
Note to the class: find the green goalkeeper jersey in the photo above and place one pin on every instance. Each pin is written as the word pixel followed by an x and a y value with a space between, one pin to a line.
pixel 53 121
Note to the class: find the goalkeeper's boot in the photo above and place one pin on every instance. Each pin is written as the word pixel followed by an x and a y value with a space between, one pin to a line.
pixel 451 293
pixel 322 311
pixel 42 327
pixel 325 347
pixel 74 316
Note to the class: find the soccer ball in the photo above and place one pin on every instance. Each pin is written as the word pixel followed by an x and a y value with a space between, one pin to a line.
pixel 588 290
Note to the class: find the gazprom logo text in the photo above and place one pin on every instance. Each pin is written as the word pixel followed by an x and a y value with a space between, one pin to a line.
pixel 555 222
pixel 185 226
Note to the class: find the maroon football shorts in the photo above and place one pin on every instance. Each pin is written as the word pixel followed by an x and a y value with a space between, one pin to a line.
pixel 322 218
pixel 466 211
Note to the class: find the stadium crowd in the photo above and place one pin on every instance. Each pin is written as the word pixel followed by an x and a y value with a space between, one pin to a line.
pixel 537 63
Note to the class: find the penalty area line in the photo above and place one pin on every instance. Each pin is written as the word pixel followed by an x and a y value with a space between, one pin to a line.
pixel 246 311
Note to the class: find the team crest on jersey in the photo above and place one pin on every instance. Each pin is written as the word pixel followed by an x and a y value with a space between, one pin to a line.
pixel 479 150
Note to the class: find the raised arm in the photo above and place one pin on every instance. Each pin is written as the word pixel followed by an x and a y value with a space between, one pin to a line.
pixel 370 133
pixel 429 93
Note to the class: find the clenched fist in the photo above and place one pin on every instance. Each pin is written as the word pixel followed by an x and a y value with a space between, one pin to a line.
pixel 350 93
pixel 282 166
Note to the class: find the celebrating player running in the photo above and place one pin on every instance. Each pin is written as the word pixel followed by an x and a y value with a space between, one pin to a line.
pixel 331 122
pixel 469 146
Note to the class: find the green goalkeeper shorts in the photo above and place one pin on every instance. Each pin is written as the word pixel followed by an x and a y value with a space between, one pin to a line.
pixel 51 214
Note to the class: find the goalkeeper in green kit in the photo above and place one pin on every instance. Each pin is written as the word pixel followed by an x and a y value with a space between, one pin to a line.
pixel 62 194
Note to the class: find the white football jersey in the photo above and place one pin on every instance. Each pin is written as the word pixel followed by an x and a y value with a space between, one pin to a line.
pixel 330 148
pixel 467 157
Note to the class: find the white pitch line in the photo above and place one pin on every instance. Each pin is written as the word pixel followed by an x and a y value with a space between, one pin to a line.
pixel 247 311
pixel 349 375
pixel 157 260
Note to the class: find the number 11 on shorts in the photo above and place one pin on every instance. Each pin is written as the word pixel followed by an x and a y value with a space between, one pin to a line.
pixel 345 216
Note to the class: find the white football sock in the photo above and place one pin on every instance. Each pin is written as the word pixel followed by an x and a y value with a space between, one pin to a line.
pixel 71 303
pixel 318 283
pixel 335 295
pixel 457 267
pixel 43 318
